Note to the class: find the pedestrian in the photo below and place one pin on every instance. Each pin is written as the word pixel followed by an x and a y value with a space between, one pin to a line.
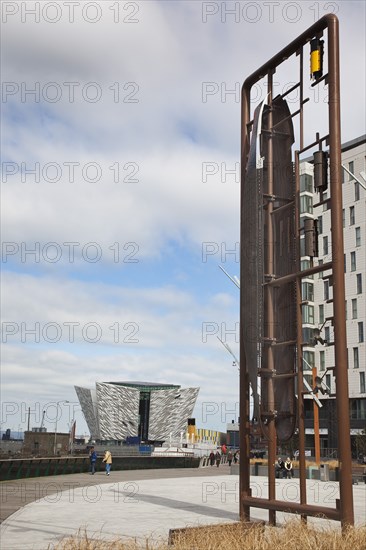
pixel 108 461
pixel 236 457
pixel 218 458
pixel 229 457
pixel 212 458
pixel 288 468
pixel 93 460
pixel 280 471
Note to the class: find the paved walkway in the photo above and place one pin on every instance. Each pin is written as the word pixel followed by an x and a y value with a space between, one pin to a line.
pixel 142 503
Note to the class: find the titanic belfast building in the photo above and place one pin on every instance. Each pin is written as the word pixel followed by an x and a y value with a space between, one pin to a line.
pixel 152 412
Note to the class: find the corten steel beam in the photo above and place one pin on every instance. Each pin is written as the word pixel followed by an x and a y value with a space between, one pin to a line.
pixel 244 402
pixel 294 507
pixel 299 361
pixel 346 516
pixel 269 311
pixel 340 348
pixel 316 423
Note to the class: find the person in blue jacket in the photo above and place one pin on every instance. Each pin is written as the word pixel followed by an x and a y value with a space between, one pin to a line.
pixel 93 460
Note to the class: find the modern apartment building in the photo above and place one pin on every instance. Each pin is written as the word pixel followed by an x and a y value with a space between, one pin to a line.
pixel 317 292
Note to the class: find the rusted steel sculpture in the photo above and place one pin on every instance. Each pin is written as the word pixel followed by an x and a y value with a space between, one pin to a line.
pixel 271 338
pixel 256 250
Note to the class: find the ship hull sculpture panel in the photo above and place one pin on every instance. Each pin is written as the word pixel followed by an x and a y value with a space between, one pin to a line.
pixel 256 248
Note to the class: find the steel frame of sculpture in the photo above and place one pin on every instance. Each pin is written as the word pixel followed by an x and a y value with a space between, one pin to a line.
pixel 267 340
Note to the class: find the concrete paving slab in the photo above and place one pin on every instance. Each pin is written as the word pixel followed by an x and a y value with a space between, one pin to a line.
pixel 151 507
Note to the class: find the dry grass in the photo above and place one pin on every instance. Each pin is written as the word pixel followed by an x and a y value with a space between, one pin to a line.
pixel 293 536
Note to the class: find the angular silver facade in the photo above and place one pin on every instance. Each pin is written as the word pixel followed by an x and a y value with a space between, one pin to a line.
pixel 89 408
pixel 169 411
pixel 116 410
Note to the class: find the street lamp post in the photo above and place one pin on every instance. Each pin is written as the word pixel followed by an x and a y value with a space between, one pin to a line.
pixel 55 440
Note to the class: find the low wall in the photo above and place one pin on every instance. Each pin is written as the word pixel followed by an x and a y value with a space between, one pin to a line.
pixel 39 467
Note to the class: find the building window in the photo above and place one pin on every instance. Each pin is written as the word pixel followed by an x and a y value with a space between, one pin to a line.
pixel 359 283
pixel 325 246
pixel 362 383
pixel 328 381
pixel 355 358
pixel 351 168
pixel 306 183
pixel 321 314
pixel 308 336
pixel 326 290
pixel 309 359
pixel 322 360
pixel 352 215
pixel 326 204
pixel 302 246
pixel 320 262
pixel 360 332
pixel 305 264
pixel 320 225
pixel 308 291
pixel 327 334
pixel 308 315
pixel 358 236
pixel 358 409
pixel 353 261
pixel 344 217
pixel 357 191
pixel 306 204
pixel 354 308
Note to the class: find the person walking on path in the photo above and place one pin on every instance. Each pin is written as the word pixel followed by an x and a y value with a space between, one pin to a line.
pixel 288 468
pixel 108 461
pixel 230 457
pixel 93 460
pixel 218 458
pixel 212 458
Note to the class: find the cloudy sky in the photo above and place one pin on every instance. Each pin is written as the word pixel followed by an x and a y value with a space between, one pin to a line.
pixel 120 189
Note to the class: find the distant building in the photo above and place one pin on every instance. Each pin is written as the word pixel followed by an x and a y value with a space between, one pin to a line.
pixel 42 443
pixel 151 412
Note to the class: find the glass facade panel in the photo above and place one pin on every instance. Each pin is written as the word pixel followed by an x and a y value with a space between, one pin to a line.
pixel 320 225
pixel 308 315
pixel 321 314
pixel 357 191
pixel 308 291
pixel 322 360
pixel 306 204
pixel 306 183
pixel 362 383
pixel 359 283
pixel 358 409
pixel 358 236
pixel 360 332
pixel 354 308
pixel 326 290
pixel 309 357
pixel 353 261
pixel 352 215
pixel 351 168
